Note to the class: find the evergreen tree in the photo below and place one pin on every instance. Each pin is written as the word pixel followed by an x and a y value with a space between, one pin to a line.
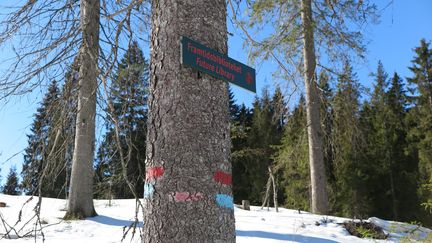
pixel 293 161
pixel 129 96
pixel 292 157
pixel 255 135
pixel 421 119
pixel 43 161
pixel 69 104
pixel 265 134
pixel 347 141
pixel 240 122
pixel 256 155
pixel 326 115
pixel 12 184
pixel 234 109
pixel 373 122
pixel 402 168
pixel 240 129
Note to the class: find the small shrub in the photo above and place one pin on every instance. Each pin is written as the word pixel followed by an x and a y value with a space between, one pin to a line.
pixel 364 230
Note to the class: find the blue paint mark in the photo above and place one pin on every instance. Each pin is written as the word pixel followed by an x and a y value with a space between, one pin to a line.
pixel 148 190
pixel 224 200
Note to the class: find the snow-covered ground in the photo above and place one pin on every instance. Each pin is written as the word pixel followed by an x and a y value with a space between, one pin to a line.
pixel 251 226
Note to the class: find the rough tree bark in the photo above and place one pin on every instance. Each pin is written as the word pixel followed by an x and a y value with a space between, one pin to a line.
pixel 316 157
pixel 80 204
pixel 188 194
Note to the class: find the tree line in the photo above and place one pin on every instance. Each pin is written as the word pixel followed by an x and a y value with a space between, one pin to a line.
pixel 377 147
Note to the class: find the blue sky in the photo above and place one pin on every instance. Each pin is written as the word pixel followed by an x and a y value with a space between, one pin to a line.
pixel 402 26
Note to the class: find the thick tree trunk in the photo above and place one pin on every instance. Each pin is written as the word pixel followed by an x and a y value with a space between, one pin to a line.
pixel 188 194
pixel 80 204
pixel 316 157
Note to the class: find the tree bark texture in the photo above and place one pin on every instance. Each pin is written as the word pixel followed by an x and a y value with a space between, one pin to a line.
pixel 80 204
pixel 316 157
pixel 188 192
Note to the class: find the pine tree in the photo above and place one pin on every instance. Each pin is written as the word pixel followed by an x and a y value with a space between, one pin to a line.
pixel 421 118
pixel 12 184
pixel 129 95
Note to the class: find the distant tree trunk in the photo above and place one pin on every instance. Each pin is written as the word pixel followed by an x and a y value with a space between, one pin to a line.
pixel 316 157
pixel 80 204
pixel 188 194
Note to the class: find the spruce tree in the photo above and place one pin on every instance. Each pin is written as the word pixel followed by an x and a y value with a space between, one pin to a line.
pixel 69 104
pixel 402 168
pixel 374 127
pixel 421 119
pixel 240 129
pixel 326 115
pixel 292 160
pixel 43 164
pixel 129 95
pixel 263 138
pixel 12 184
pixel 347 141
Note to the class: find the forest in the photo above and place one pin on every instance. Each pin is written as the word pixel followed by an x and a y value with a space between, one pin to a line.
pixel 331 146
pixel 377 144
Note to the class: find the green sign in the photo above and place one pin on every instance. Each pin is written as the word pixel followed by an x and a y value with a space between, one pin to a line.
pixel 209 61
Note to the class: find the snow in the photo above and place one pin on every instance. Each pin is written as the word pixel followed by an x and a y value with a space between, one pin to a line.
pixel 251 226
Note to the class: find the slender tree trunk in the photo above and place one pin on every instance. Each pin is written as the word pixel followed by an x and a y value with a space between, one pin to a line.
pixel 188 193
pixel 275 202
pixel 267 194
pixel 80 204
pixel 316 158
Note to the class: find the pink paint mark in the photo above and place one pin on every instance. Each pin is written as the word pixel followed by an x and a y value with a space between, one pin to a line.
pixel 187 197
pixel 223 178
pixel 154 173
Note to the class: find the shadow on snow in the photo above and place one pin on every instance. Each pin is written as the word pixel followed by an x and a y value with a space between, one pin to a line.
pixel 112 221
pixel 243 233
pixel 277 236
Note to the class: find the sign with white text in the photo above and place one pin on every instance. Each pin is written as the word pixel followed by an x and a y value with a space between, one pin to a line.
pixel 209 61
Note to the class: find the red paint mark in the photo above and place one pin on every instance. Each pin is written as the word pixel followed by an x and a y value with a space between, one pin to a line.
pixel 249 78
pixel 223 178
pixel 186 196
pixel 154 173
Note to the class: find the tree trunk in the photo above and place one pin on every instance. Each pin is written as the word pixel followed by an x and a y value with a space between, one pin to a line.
pixel 80 204
pixel 188 192
pixel 316 158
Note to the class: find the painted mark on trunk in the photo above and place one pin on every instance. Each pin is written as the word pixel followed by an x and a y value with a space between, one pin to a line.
pixel 148 190
pixel 154 172
pixel 225 201
pixel 223 178
pixel 187 197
